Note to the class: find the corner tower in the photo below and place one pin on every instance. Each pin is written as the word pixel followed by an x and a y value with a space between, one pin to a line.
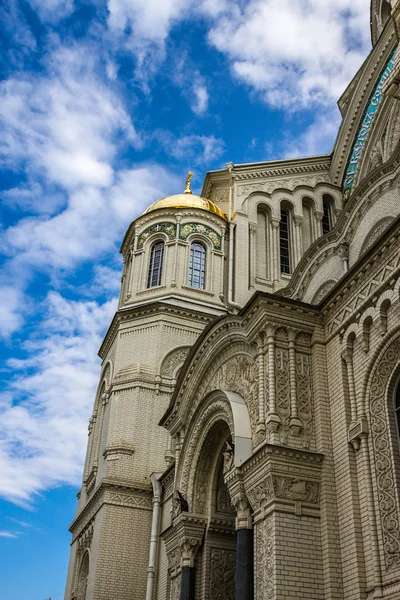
pixel 173 284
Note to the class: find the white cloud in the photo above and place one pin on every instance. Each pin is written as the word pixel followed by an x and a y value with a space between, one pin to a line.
pixel 200 103
pixel 65 122
pixel 316 138
pixel 7 534
pixel 10 310
pixel 295 54
pixel 44 430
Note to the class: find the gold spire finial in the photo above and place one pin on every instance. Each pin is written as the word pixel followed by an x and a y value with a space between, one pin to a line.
pixel 188 180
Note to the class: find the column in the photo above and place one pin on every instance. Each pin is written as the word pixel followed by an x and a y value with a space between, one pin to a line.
pixel 252 250
pixel 298 246
pixel 273 420
pixel 244 549
pixel 261 395
pixel 295 423
pixel 189 548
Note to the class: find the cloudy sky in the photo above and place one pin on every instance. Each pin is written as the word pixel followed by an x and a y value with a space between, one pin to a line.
pixel 104 107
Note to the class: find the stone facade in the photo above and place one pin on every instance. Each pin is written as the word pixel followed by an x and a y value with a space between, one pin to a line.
pixel 244 442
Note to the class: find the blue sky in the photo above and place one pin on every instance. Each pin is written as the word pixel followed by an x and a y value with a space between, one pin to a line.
pixel 104 107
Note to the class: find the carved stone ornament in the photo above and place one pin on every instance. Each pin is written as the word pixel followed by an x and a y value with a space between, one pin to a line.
pixel 264 567
pixel 222 574
pixel 173 361
pixel 189 548
pixel 243 511
pixel 277 487
pixel 375 233
pixel 386 485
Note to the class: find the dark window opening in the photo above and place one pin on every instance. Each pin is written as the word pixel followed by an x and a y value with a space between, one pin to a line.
pixel 284 242
pixel 327 218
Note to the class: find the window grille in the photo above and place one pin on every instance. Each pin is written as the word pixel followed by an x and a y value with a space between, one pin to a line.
pixel 197 266
pixel 284 242
pixel 156 265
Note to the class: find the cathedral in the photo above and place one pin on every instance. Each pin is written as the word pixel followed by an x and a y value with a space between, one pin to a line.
pixel 245 436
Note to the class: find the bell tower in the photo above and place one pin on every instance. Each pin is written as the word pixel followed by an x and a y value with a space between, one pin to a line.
pixel 172 285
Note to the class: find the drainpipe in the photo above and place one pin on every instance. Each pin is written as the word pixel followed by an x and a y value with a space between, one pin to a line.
pixel 231 240
pixel 155 524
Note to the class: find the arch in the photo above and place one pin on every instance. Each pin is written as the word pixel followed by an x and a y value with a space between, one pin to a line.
pixel 219 405
pixel 83 575
pixel 173 361
pixel 197 265
pixel 379 385
pixel 155 271
pixel 323 291
pixel 374 233
pixel 263 240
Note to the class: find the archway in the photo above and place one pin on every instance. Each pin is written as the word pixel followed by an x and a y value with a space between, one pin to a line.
pixel 216 560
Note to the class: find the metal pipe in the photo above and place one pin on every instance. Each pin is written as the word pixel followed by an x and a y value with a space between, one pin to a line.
pixel 155 524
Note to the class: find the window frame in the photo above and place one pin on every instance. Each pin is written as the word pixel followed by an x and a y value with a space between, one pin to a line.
pixel 203 265
pixel 287 241
pixel 151 268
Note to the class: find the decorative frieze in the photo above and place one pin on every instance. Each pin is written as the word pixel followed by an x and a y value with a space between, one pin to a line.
pixel 168 228
pixel 188 228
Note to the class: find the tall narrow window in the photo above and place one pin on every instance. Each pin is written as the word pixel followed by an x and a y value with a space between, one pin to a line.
pixel 284 242
pixel 327 218
pixel 156 265
pixel 197 265
pixel 397 408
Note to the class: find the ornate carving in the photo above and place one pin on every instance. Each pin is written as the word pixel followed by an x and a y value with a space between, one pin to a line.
pixel 383 460
pixel 304 395
pixel 135 499
pixel 264 567
pixel 173 361
pixel 375 233
pixel 267 187
pixel 175 588
pixel 282 390
pixel 223 500
pixel 279 487
pixel 238 374
pixel 166 227
pixel 189 228
pixel 323 290
pixel 222 574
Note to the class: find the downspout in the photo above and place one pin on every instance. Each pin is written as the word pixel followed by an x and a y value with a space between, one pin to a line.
pixel 155 524
pixel 231 240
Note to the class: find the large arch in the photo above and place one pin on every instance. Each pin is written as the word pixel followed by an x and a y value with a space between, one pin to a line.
pixel 219 406
pixel 380 382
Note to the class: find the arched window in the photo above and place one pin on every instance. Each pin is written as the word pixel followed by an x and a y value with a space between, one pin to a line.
pixel 83 577
pixel 197 265
pixel 156 265
pixel 397 409
pixel 327 218
pixel 284 241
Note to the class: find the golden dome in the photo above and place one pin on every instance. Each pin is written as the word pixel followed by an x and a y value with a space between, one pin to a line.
pixel 187 200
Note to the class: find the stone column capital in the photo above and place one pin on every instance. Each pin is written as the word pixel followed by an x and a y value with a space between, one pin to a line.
pixel 243 511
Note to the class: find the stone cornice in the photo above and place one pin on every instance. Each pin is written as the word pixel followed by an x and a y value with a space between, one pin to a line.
pixel 94 504
pixel 147 310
